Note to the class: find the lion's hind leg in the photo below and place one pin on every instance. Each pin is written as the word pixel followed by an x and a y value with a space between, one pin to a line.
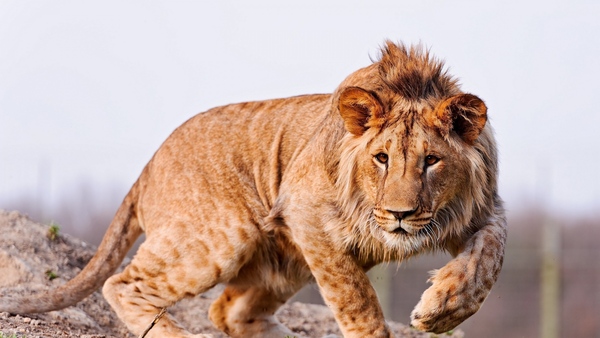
pixel 137 308
pixel 159 276
pixel 248 311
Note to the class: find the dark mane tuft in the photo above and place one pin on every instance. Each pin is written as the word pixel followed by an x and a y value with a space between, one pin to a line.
pixel 413 73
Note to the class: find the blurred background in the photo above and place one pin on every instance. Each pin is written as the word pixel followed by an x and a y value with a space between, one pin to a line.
pixel 89 90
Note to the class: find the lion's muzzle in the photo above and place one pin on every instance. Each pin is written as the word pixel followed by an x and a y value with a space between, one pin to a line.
pixel 404 222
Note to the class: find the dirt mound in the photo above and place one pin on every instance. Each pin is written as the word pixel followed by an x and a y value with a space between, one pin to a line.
pixel 30 260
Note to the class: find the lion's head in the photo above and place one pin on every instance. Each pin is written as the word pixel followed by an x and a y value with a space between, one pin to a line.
pixel 415 161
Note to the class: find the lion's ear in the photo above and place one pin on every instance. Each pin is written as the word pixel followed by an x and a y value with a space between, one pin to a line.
pixel 466 114
pixel 360 110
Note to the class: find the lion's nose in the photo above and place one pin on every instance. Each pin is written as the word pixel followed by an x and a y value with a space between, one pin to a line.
pixel 402 214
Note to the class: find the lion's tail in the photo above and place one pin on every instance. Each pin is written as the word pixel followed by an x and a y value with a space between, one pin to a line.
pixel 120 236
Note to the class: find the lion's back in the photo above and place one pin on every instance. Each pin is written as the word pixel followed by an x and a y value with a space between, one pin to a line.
pixel 230 157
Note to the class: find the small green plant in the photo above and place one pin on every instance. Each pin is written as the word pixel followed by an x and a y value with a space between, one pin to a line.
pixel 53 232
pixel 51 275
pixel 3 335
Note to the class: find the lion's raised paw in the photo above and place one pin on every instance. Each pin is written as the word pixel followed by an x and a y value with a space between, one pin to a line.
pixel 442 308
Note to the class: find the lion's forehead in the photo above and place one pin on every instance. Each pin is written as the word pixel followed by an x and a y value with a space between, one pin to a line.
pixel 405 136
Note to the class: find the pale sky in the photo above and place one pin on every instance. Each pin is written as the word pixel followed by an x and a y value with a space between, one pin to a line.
pixel 89 90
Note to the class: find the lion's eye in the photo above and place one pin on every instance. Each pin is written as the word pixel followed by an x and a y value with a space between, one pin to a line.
pixel 381 158
pixel 431 160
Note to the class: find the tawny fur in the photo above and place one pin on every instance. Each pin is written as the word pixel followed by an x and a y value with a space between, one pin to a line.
pixel 268 196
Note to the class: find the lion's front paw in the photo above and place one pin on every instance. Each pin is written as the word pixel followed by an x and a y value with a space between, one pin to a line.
pixel 444 305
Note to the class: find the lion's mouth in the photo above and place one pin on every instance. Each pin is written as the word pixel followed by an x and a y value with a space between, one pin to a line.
pixel 404 233
pixel 413 227
pixel 400 231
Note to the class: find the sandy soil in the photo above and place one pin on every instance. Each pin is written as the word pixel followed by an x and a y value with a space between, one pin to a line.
pixel 27 254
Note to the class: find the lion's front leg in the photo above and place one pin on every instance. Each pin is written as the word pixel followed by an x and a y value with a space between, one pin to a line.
pixel 461 286
pixel 345 288
pixel 349 294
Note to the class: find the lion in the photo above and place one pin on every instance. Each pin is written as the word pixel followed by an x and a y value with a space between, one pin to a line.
pixel 268 196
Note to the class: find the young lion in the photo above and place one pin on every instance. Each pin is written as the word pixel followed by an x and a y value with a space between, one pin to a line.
pixel 268 196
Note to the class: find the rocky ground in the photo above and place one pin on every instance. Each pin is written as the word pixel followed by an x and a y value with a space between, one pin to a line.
pixel 31 260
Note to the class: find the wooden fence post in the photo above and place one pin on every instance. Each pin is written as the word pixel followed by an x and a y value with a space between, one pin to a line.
pixel 550 280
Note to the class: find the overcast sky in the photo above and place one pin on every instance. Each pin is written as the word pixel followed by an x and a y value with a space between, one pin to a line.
pixel 89 90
